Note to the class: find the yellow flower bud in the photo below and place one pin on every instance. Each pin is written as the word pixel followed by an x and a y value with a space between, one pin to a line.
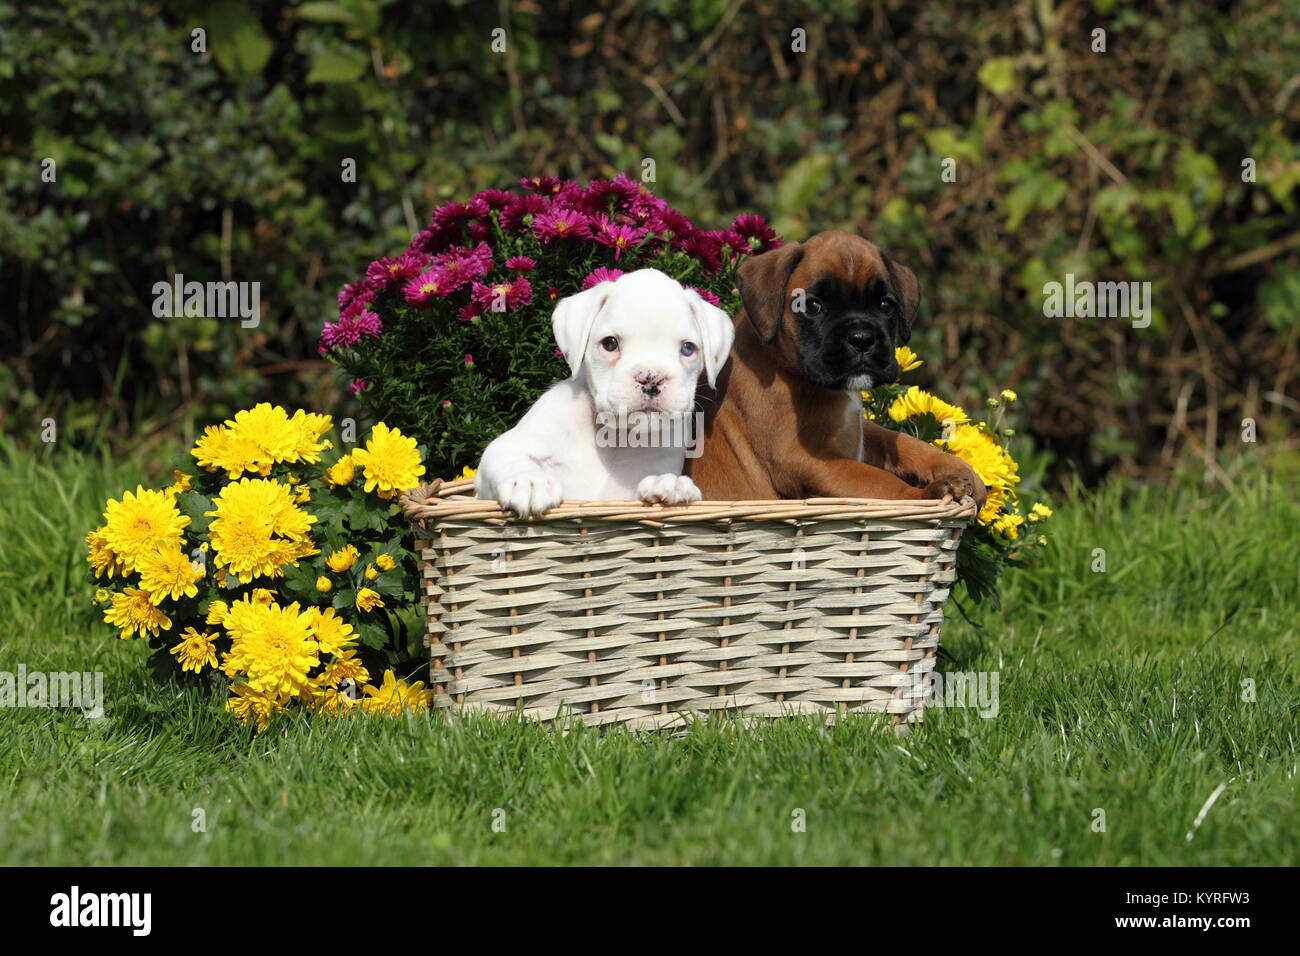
pixel 371 573
pixel 992 403
pixel 1009 396
pixel 323 585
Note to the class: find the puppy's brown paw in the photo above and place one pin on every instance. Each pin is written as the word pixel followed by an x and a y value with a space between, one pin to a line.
pixel 956 486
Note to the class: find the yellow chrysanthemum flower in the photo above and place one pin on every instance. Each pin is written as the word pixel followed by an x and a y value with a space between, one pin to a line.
pixel 308 427
pixel 289 552
pixel 346 666
pixel 252 706
pixel 101 557
pixel 916 401
pixel 253 525
pixel 340 473
pixel 139 523
pixel 1007 525
pixel 334 703
pixel 368 600
pixel 274 646
pixel 907 359
pixel 216 614
pixel 385 562
pixel 371 573
pixel 332 633
pixel 1039 511
pixel 168 574
pixel 269 427
pixel 259 437
pixel 982 452
pixel 195 651
pixel 180 482
pixel 134 614
pixel 343 559
pixel 395 696
pixel 220 449
pixel 389 462
pixel 467 472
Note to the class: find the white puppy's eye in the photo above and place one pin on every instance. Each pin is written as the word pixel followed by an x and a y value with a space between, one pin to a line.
pixel 609 343
pixel 688 349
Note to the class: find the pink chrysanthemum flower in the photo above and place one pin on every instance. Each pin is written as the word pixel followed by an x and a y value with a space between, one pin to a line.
pixel 469 312
pixel 385 272
pixel 369 324
pixel 758 236
pixel 358 385
pixel 616 235
pixel 706 295
pixel 673 221
pixel 521 264
pixel 352 290
pixel 450 223
pixel 495 198
pixel 603 274
pixel 510 295
pixel 619 192
pixel 426 287
pixel 513 216
pixel 461 265
pixel 561 224
pixel 552 293
pixel 702 246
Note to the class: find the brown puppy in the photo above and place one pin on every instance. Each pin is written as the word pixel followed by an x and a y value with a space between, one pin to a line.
pixel 818 327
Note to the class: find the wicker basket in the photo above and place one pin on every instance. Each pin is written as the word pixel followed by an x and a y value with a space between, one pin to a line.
pixel 642 615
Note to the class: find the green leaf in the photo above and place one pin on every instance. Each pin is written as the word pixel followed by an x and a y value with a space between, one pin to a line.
pixel 341 65
pixel 998 75
pixel 193 505
pixel 237 40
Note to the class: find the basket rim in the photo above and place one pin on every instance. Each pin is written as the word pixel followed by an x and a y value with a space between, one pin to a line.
pixel 453 499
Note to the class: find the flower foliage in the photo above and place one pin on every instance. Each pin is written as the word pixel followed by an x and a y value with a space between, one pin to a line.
pixel 450 339
pixel 274 566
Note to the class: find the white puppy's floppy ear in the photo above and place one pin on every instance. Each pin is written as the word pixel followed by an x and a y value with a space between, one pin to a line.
pixel 572 321
pixel 716 332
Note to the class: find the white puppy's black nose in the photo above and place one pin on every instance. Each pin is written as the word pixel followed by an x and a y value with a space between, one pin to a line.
pixel 650 382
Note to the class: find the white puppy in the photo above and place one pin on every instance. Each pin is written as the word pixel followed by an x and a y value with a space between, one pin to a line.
pixel 636 347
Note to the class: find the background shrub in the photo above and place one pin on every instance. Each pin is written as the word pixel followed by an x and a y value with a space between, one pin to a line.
pixel 1126 164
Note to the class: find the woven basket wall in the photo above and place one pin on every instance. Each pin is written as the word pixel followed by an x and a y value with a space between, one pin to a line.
pixel 641 615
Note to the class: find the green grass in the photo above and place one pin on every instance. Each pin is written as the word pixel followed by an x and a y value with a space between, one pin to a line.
pixel 1119 691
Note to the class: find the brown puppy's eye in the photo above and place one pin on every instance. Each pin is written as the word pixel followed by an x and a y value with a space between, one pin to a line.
pixel 609 343
pixel 813 305
pixel 889 303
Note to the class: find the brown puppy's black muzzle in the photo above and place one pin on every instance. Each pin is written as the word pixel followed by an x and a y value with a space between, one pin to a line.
pixel 870 345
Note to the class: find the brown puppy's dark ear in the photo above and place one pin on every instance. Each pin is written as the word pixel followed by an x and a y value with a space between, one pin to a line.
pixel 909 296
pixel 762 282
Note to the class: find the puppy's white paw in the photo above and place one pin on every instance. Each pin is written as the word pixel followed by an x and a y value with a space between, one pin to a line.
pixel 668 489
pixel 530 495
